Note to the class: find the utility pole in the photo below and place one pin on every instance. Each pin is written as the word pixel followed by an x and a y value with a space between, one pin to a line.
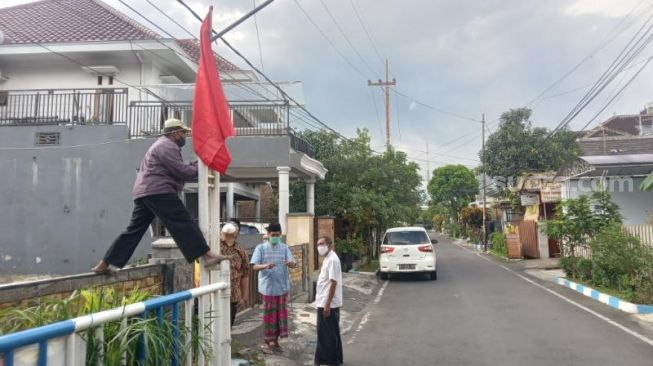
pixel 484 183
pixel 386 86
pixel 428 165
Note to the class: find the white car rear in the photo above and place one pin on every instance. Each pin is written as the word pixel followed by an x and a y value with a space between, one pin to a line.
pixel 407 250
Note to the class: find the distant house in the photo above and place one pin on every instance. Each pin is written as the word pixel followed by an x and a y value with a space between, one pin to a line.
pixel 621 175
pixel 616 155
pixel 83 91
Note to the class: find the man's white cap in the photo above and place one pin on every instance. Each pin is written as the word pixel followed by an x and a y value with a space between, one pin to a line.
pixel 174 124
pixel 229 228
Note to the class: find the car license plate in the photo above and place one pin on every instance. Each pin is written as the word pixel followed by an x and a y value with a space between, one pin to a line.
pixel 406 266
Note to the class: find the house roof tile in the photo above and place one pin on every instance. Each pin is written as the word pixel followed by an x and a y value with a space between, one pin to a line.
pixel 63 21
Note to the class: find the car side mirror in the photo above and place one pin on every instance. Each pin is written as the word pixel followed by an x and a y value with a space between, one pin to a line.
pixel 434 241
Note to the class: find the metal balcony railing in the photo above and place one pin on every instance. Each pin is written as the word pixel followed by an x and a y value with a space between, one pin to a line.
pixel 260 119
pixel 108 106
pixel 63 107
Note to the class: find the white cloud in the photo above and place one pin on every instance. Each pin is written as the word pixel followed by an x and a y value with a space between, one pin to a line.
pixel 607 8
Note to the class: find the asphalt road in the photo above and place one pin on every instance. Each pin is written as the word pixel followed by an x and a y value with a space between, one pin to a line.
pixel 478 313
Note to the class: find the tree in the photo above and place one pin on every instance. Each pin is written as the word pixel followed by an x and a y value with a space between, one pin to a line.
pixel 371 191
pixel 516 147
pixel 647 184
pixel 452 187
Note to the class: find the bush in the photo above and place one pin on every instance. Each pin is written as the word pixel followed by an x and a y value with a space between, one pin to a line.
pixel 622 262
pixel 351 246
pixel 499 244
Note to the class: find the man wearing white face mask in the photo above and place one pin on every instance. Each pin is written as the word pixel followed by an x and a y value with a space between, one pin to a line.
pixel 328 299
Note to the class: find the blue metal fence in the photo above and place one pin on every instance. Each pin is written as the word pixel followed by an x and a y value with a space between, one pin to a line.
pixel 11 344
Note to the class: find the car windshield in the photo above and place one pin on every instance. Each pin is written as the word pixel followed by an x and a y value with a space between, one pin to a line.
pixel 406 238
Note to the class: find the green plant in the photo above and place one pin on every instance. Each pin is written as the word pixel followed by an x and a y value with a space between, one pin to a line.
pixel 577 221
pixel 499 244
pixel 114 343
pixel 351 246
pixel 621 261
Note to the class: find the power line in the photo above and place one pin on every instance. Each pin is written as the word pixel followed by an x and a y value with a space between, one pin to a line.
pixel 437 109
pixel 588 57
pixel 329 40
pixel 367 32
pixel 71 59
pixel 614 97
pixel 180 54
pixel 344 35
pixel 233 79
pixel 376 109
pixel 258 37
pixel 632 49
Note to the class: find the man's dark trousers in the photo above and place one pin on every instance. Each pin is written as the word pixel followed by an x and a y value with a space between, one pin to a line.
pixel 176 218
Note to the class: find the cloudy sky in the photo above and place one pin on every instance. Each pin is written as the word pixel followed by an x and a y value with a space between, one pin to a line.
pixel 466 57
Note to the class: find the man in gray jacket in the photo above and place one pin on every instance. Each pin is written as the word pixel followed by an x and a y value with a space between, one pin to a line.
pixel 159 180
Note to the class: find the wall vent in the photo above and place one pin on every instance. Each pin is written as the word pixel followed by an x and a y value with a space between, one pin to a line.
pixel 47 138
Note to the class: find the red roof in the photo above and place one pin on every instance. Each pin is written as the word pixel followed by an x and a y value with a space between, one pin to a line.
pixel 59 21
pixel 62 21
pixel 192 48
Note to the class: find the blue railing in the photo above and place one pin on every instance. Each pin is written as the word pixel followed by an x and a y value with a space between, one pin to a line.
pixel 13 344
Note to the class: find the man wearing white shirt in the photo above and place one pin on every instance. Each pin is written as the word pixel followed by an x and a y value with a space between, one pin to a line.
pixel 328 299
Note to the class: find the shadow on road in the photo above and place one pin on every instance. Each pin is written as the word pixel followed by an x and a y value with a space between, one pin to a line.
pixel 410 277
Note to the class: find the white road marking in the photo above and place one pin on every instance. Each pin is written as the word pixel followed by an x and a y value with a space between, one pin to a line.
pixel 366 317
pixel 380 294
pixel 639 336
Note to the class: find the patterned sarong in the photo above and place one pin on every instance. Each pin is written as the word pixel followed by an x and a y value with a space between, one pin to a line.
pixel 275 317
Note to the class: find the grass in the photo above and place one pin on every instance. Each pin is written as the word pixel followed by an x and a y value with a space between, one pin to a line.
pixel 606 290
pixel 372 266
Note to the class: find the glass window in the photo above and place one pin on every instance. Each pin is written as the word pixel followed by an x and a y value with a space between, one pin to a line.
pixel 406 238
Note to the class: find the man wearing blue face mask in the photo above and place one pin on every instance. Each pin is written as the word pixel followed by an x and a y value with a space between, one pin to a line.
pixel 272 259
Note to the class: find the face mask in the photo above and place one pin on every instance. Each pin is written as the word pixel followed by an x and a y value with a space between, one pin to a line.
pixel 181 142
pixel 274 240
pixel 323 250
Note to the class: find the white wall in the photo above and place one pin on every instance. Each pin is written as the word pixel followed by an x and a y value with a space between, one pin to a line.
pixel 49 71
pixel 636 206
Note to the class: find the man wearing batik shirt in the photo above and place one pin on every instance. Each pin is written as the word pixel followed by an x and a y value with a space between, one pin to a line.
pixel 239 268
pixel 272 260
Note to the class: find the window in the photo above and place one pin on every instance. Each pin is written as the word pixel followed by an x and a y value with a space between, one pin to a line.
pixel 46 138
pixel 406 238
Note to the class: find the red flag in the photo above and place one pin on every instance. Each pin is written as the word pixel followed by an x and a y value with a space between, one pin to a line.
pixel 212 123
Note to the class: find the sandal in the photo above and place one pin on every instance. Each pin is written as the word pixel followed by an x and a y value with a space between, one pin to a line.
pixel 107 269
pixel 265 348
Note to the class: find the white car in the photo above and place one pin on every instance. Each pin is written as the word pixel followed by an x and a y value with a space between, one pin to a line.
pixel 407 250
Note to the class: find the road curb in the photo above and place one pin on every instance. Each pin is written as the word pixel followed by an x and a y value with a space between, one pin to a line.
pixel 609 300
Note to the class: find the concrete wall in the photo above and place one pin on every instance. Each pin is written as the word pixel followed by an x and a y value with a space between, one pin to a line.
pixel 150 278
pixel 62 206
pixel 636 206
pixel 301 229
